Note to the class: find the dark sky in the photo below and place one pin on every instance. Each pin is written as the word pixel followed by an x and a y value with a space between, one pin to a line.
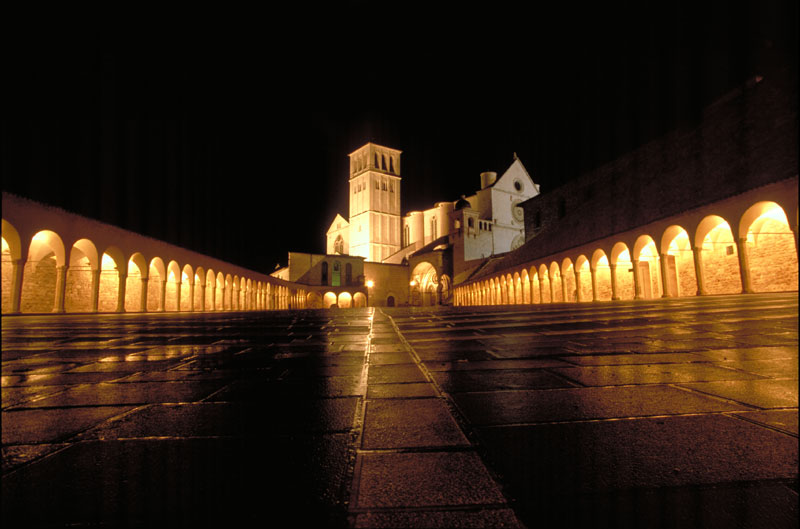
pixel 230 135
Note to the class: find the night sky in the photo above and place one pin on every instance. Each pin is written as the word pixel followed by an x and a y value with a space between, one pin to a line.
pixel 230 136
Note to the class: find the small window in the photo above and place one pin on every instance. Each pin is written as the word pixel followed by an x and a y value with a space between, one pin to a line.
pixel 391 165
pixel 518 185
pixel 471 222
pixel 376 160
pixel 383 160
pixel 391 187
pixel 377 186
pixel 383 186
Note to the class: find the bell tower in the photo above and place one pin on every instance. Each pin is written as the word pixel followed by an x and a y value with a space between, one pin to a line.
pixel 375 220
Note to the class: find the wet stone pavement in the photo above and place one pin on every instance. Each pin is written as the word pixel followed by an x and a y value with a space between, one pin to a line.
pixel 659 413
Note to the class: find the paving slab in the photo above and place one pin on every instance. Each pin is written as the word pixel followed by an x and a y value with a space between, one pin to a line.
pixel 387 374
pixel 578 404
pixel 183 482
pixel 424 480
pixel 461 519
pixel 650 374
pixel 409 423
pixel 405 390
pixel 763 393
pixel 53 425
pixel 490 380
pixel 119 393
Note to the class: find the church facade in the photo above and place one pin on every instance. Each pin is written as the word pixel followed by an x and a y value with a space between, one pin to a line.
pixel 422 251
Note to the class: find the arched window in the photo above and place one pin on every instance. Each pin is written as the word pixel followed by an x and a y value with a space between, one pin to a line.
pixel 336 277
pixel 390 301
pixel 324 273
pixel 471 222
pixel 338 245
pixel 348 274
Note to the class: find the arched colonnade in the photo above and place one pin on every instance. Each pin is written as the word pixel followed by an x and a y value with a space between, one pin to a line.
pixel 92 267
pixel 730 248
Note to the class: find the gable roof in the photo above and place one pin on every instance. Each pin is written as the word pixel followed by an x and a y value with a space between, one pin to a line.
pixel 337 220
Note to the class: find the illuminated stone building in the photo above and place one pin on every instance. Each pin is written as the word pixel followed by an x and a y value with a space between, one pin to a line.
pixel 707 209
pixel 56 261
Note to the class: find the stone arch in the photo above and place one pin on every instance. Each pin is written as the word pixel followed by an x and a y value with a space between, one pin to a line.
pixel 186 297
pixel 491 292
pixel 425 285
pixel 511 289
pixel 503 290
pixel 81 279
pixel 156 283
pixel 199 297
pixel 718 257
pixel 211 290
pixel 136 283
pixel 219 292
pixel 621 272
pixel 583 279
pixel 112 269
pixel 228 299
pixel 544 284
pixel 329 300
pixel 601 280
pixel 647 265
pixel 556 288
pixel 313 300
pixel 770 248
pixel 172 287
pixel 359 300
pixel 526 287
pixel 568 280
pixel 536 291
pixel 11 268
pixel 678 267
pixel 42 290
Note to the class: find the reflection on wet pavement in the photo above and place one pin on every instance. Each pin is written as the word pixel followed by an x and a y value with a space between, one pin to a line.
pixel 679 412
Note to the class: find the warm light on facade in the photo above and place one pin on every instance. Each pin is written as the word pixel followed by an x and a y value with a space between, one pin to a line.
pixel 370 283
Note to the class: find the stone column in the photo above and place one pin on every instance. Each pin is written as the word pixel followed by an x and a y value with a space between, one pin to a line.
pixel 191 296
pixel 698 270
pixel 163 295
pixel 663 265
pixel 95 289
pixel 202 297
pixel 121 286
pixel 564 289
pixel 637 280
pixel 744 266
pixel 61 285
pixel 577 284
pixel 143 294
pixel 178 287
pixel 550 280
pixel 614 294
pixel 16 285
pixel 593 273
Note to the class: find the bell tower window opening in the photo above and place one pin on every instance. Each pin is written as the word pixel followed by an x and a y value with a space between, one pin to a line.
pixel 391 165
pixel 376 161
pixel 383 162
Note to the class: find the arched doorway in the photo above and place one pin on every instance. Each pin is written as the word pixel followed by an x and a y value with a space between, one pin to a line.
pixel 424 285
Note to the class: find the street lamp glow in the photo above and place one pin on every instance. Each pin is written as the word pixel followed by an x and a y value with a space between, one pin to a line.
pixel 413 282
pixel 369 283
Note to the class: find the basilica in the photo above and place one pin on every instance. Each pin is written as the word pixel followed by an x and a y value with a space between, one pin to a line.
pixel 380 254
